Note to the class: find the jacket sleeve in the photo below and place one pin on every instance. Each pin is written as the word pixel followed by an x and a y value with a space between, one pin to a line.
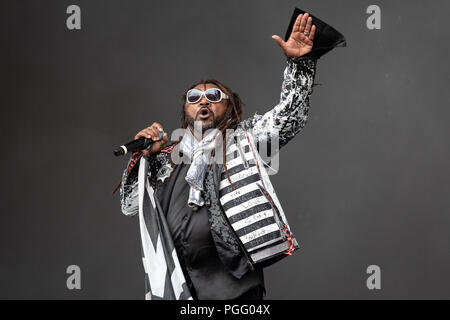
pixel 129 194
pixel 289 116
pixel 129 198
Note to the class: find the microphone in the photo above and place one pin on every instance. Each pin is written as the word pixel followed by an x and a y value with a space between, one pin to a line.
pixel 132 146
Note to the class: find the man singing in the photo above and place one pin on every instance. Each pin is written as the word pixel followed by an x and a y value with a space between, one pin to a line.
pixel 210 224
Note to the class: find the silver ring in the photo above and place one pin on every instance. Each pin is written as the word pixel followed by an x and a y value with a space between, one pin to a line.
pixel 306 33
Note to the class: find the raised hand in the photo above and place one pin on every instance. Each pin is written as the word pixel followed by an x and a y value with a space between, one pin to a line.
pixel 301 39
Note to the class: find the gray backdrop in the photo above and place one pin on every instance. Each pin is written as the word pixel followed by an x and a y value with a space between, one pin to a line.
pixel 366 182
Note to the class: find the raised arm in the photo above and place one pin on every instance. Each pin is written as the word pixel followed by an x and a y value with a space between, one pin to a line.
pixel 289 116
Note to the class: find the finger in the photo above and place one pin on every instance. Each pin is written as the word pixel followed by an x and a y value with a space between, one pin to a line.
pixel 278 40
pixel 308 25
pixel 159 130
pixel 165 138
pixel 313 32
pixel 296 26
pixel 159 134
pixel 157 126
pixel 148 133
pixel 140 134
pixel 303 23
pixel 155 134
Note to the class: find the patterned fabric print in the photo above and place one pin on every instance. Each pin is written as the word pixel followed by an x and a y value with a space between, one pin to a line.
pixel 129 187
pixel 291 113
pixel 246 206
pixel 217 220
pixel 159 168
pixel 129 195
pixel 164 275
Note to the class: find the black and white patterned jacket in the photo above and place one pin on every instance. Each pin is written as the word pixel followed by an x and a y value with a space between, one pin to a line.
pixel 247 222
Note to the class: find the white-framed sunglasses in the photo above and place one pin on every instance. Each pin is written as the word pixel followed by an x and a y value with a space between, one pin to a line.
pixel 212 95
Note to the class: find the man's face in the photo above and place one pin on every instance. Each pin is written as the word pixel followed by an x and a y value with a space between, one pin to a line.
pixel 210 114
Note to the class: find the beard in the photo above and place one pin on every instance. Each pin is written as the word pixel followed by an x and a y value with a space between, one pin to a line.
pixel 206 124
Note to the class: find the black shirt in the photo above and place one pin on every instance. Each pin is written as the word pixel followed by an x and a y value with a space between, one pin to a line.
pixel 206 275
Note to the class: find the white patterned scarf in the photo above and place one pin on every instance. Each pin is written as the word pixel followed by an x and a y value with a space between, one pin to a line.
pixel 199 154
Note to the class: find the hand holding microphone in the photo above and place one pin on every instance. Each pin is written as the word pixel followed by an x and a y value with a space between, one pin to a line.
pixel 149 140
pixel 153 132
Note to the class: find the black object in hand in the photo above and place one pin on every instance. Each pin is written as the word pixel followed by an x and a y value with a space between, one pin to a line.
pixel 135 145
pixel 326 37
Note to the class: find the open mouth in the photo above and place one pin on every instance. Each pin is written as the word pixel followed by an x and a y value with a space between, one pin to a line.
pixel 204 113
